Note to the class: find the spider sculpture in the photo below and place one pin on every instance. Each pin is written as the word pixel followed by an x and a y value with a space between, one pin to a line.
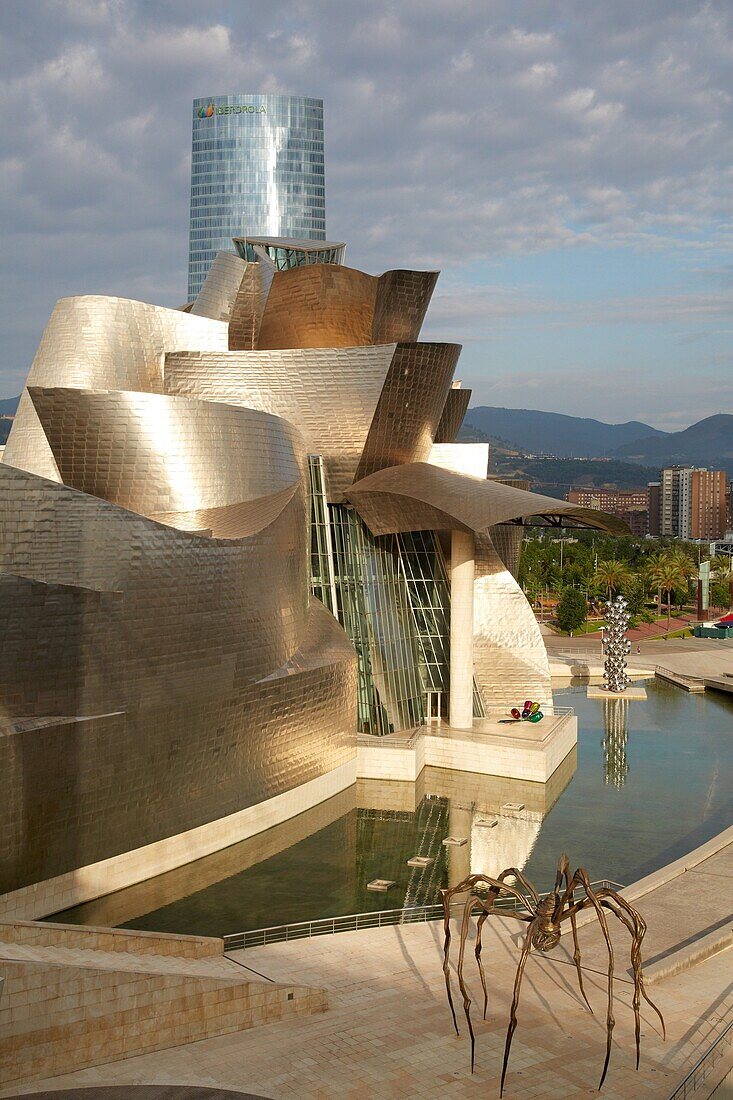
pixel 543 917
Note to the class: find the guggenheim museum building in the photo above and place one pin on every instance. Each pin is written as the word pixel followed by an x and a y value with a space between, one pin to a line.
pixel 236 540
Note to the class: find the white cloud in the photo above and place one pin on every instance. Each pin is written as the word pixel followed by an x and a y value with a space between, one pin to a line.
pixel 454 133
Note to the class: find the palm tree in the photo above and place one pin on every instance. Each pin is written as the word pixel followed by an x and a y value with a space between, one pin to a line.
pixel 611 575
pixel 667 573
pixel 720 566
pixel 688 569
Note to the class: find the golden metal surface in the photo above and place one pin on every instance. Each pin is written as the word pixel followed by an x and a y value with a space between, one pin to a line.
pixel 331 306
pixel 419 495
pixel 163 663
pixel 456 405
pixel 221 286
pixel 158 454
pixel 102 343
pixel 331 395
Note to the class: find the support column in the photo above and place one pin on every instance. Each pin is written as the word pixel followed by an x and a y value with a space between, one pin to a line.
pixel 462 552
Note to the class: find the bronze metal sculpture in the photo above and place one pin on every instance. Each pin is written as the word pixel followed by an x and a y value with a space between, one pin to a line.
pixel 544 917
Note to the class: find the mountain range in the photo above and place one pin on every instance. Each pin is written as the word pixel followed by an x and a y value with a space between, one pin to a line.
pixel 709 442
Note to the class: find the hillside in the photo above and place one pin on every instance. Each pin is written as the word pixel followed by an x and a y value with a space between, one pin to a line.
pixel 707 443
pixel 9 406
pixel 535 432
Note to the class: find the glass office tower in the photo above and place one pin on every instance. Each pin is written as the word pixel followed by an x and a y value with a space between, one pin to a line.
pixel 256 170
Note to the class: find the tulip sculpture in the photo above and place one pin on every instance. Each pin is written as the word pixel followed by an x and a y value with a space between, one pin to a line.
pixel 530 713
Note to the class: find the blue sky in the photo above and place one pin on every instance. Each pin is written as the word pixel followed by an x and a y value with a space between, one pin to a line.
pixel 566 165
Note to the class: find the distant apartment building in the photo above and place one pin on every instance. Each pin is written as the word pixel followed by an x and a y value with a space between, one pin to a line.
pixel 630 505
pixel 692 503
pixel 608 500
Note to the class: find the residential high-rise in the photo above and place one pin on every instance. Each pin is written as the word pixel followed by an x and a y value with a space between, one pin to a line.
pixel 257 169
pixel 693 503
pixel 708 504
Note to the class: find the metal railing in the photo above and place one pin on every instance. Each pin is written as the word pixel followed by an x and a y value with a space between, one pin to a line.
pixel 352 922
pixel 704 1065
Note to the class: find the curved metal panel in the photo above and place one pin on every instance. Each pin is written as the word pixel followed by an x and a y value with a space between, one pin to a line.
pixel 331 395
pixel 402 301
pixel 249 305
pixel 222 282
pixel 318 306
pixel 201 617
pixel 469 503
pixel 410 406
pixel 331 306
pixel 454 411
pixel 157 454
pixel 95 342
pixel 509 654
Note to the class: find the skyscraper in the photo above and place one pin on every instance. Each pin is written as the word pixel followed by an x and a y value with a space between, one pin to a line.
pixel 256 170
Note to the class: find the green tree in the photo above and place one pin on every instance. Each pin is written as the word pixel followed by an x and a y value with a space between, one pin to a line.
pixel 611 575
pixel 634 591
pixel 571 610
pixel 720 594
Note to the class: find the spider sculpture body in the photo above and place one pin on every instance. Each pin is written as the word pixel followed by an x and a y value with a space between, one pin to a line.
pixel 543 918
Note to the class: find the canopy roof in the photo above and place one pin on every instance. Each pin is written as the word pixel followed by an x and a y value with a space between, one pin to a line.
pixel 419 496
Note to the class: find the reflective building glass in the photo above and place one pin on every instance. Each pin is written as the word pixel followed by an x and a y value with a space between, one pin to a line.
pixel 256 169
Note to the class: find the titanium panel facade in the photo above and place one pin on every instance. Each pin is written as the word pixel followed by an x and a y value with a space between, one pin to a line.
pixel 409 497
pixel 219 559
pixel 257 168
pixel 327 306
pixel 99 343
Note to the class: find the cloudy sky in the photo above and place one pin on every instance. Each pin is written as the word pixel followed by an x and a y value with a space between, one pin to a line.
pixel 565 163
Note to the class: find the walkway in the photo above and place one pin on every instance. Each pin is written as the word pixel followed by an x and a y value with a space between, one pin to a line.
pixel 388 1031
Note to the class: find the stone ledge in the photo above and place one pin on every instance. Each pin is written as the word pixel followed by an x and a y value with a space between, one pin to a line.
pixel 696 952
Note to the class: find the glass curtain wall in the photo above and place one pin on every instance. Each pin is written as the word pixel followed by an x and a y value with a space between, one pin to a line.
pixel 391 594
pixel 257 168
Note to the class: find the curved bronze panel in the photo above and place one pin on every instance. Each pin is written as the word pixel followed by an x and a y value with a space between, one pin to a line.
pixel 157 454
pixel 469 503
pixel 402 301
pixel 102 343
pixel 318 306
pixel 410 406
pixel 331 395
pixel 456 404
pixel 509 654
pixel 331 306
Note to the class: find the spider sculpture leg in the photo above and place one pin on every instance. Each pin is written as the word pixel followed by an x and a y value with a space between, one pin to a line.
pixel 637 929
pixel 496 886
pixel 472 903
pixel 639 932
pixel 515 1001
pixel 581 877
pixel 477 951
pixel 563 871
pixel 488 905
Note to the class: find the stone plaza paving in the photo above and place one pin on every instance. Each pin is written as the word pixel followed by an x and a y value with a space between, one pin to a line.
pixel 388 1031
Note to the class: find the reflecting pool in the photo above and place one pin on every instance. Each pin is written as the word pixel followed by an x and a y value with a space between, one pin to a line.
pixel 650 781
